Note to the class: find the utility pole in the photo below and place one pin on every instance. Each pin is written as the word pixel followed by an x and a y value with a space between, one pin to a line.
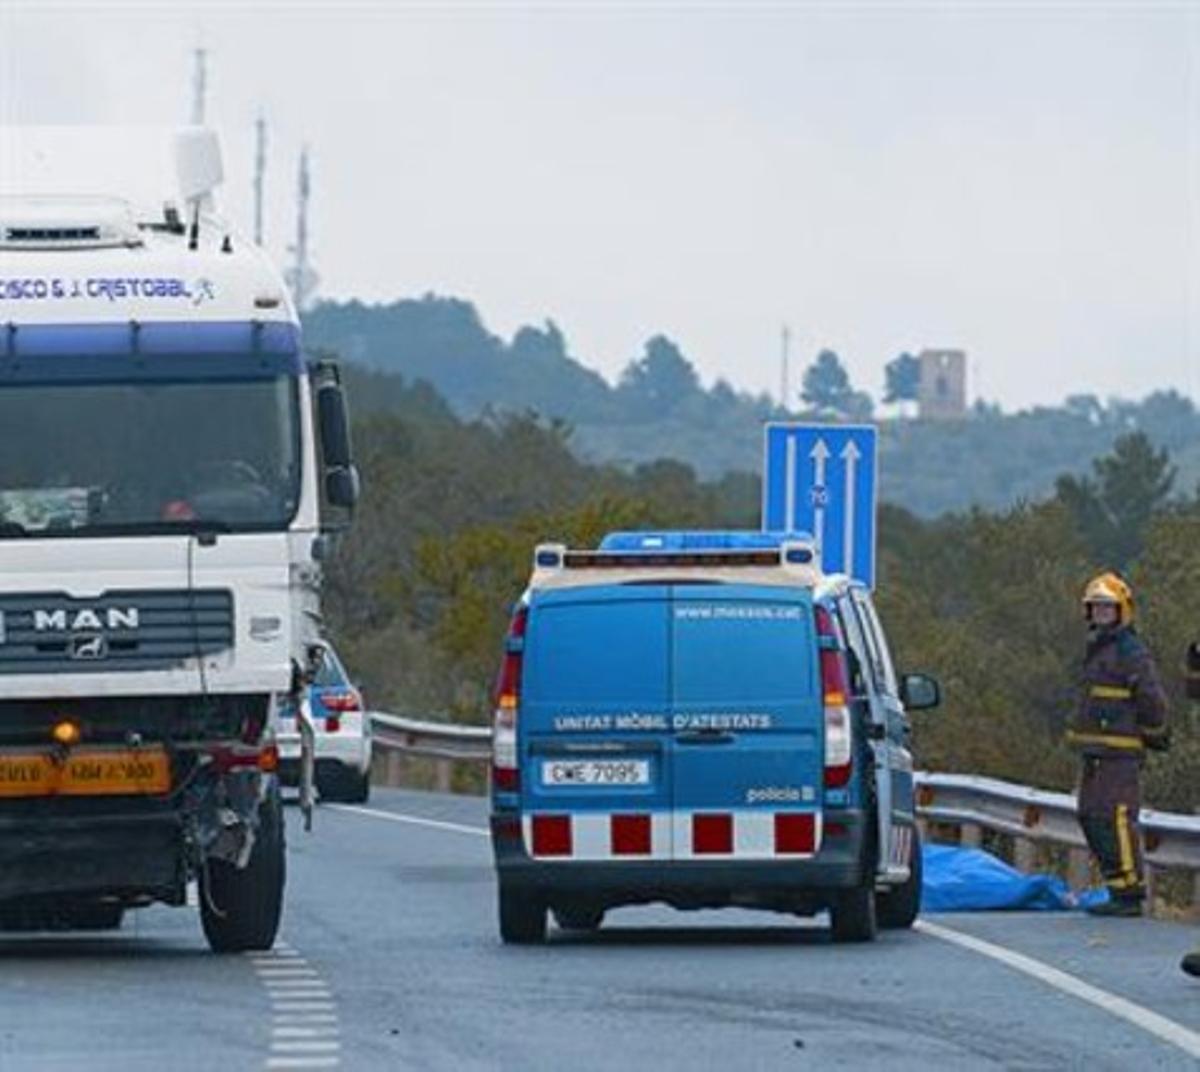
pixel 199 86
pixel 301 277
pixel 785 377
pixel 260 169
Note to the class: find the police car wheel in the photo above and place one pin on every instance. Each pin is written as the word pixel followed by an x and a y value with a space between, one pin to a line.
pixel 853 916
pixel 522 916
pixel 578 917
pixel 900 906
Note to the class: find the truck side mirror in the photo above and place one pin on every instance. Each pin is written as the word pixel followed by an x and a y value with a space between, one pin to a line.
pixel 342 487
pixel 1192 666
pixel 920 692
pixel 334 420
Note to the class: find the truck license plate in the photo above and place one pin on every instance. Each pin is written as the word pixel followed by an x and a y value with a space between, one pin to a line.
pixel 118 772
pixel 564 772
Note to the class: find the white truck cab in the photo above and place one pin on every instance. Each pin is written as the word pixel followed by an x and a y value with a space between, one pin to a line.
pixel 164 450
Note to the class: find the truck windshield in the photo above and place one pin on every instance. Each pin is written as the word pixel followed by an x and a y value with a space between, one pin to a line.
pixel 82 459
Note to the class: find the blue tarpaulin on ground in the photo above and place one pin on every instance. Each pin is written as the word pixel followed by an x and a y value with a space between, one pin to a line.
pixel 971 880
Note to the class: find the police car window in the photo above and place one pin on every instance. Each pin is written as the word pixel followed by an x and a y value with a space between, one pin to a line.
pixel 881 660
pixel 859 657
pixel 329 673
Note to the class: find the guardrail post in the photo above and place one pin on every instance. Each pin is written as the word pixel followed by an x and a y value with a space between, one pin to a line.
pixel 443 772
pixel 1024 855
pixel 393 770
pixel 1079 869
pixel 970 835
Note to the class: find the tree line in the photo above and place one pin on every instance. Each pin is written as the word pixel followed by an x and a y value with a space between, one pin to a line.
pixel 420 590
pixel 659 408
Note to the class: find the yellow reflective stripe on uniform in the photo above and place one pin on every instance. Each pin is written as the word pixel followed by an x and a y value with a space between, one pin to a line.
pixel 1155 731
pixel 1125 844
pixel 1107 740
pixel 1111 692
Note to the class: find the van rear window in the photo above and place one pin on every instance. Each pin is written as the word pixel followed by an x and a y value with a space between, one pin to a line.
pixel 611 652
pixel 735 651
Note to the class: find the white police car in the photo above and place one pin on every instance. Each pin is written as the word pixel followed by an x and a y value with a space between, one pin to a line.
pixel 343 735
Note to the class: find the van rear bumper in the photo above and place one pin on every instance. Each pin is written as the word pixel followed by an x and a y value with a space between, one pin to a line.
pixel 784 883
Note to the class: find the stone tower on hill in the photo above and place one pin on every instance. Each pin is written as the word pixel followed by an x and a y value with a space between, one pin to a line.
pixel 943 394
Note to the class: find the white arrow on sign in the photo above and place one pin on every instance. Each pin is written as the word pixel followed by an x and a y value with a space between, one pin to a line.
pixel 820 456
pixel 851 456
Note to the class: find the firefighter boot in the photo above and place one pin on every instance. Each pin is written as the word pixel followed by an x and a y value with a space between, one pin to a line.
pixel 1116 906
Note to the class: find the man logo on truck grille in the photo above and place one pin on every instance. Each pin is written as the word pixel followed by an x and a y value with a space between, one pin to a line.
pixel 89 647
pixel 92 620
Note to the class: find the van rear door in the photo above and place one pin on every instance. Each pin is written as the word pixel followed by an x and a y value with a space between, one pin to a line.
pixel 594 723
pixel 747 747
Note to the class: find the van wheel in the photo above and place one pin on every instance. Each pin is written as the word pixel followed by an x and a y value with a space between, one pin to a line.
pixel 522 916
pixel 240 908
pixel 899 907
pixel 853 916
pixel 578 917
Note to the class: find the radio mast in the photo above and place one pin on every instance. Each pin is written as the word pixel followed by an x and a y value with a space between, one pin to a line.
pixel 260 169
pixel 199 86
pixel 785 372
pixel 301 277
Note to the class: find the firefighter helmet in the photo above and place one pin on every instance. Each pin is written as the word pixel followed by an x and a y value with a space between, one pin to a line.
pixel 1112 589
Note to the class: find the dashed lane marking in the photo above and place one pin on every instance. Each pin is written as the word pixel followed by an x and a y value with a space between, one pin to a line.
pixel 1167 1030
pixel 304 1019
pixel 1146 1019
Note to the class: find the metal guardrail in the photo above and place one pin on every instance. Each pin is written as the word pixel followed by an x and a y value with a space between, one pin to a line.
pixel 964 800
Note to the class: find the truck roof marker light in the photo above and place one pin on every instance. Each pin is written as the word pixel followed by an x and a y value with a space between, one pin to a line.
pixel 66 733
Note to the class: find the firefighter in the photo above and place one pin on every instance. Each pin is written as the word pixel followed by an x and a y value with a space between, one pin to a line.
pixel 1122 712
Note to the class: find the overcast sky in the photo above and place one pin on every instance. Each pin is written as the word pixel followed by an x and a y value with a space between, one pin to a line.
pixel 1019 180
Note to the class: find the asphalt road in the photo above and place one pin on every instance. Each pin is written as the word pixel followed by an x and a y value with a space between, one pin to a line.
pixel 390 960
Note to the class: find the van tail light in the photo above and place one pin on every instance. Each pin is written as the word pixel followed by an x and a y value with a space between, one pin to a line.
pixel 839 744
pixel 506 773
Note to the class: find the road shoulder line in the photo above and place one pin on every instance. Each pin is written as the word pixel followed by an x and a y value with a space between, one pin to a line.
pixel 1154 1023
pixel 411 820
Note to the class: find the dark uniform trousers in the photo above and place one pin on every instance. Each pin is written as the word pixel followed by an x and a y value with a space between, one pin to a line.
pixel 1122 712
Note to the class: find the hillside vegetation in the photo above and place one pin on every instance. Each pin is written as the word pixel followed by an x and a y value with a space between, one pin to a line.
pixel 660 409
pixel 420 590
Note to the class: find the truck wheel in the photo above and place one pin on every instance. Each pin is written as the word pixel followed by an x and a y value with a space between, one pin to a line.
pixel 899 907
pixel 240 909
pixel 522 916
pixel 575 917
pixel 853 916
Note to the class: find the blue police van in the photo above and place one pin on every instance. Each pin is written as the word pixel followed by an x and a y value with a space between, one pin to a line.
pixel 701 719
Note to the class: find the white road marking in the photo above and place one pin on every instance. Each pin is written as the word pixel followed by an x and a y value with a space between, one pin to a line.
pixel 304 1020
pixel 411 820
pixel 1167 1030
pixel 1160 1026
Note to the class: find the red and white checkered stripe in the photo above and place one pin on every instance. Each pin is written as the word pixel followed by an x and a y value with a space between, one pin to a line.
pixel 739 835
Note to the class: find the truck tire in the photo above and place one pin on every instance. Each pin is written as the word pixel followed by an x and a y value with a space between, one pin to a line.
pixel 899 907
pixel 522 916
pixel 240 908
pixel 853 916
pixel 577 917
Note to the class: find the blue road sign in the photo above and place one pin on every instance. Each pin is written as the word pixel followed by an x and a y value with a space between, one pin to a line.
pixel 821 478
